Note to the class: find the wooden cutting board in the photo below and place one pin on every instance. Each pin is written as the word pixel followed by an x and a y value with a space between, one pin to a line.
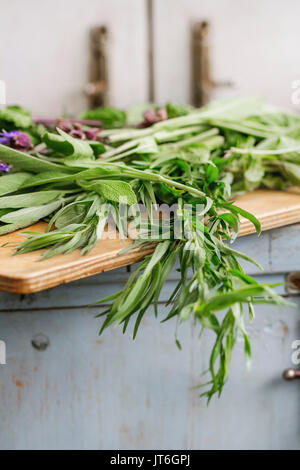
pixel 24 274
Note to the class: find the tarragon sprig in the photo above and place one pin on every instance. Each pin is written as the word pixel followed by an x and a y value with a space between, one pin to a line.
pixel 196 157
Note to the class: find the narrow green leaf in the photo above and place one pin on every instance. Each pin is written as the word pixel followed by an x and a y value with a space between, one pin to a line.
pixel 244 213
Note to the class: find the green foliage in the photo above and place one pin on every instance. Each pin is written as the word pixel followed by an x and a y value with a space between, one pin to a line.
pixel 111 190
pixel 196 157
pixel 15 117
pixel 74 150
pixel 13 182
pixel 110 117
pixel 176 110
pixel 26 162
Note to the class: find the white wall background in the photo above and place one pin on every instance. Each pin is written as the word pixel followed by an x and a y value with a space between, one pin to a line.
pixel 44 49
pixel 254 43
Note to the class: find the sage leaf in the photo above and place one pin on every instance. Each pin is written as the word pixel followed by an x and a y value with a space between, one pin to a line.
pixel 30 215
pixel 24 161
pixel 13 182
pixel 112 190
pixel 29 199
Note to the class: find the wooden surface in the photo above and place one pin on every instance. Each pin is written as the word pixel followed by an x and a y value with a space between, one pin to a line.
pixel 272 208
pixel 24 274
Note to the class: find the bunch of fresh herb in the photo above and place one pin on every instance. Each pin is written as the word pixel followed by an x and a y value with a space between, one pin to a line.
pixel 184 156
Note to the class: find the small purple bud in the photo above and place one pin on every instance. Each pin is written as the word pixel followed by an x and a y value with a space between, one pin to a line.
pixel 77 126
pixel 78 134
pixel 64 125
pixel 150 116
pixel 4 168
pixel 92 134
pixel 22 141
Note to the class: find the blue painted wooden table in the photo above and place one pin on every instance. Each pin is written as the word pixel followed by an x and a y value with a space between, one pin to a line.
pixel 64 387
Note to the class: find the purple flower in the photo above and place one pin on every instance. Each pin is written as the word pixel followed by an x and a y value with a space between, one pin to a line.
pixel 64 125
pixel 16 139
pixel 76 130
pixel 4 168
pixel 22 141
pixel 78 134
pixel 92 134
pixel 7 137
pixel 150 117
pixel 77 126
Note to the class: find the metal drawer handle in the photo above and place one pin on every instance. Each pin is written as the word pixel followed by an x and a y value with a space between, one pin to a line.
pixel 97 88
pixel 203 82
pixel 291 374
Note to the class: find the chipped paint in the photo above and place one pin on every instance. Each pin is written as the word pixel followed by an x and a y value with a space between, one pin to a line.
pixel 19 384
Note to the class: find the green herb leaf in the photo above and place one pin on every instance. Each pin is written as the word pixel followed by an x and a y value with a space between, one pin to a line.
pixel 29 199
pixel 110 117
pixel 13 182
pixel 30 215
pixel 76 150
pixel 16 117
pixel 238 210
pixel 24 161
pixel 112 190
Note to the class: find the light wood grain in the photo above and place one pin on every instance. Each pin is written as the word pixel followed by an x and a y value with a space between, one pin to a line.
pixel 272 208
pixel 26 274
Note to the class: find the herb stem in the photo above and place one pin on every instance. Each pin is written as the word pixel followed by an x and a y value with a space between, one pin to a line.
pixel 253 151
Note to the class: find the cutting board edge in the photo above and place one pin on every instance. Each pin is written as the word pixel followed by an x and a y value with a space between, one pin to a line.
pixel 26 282
pixel 36 282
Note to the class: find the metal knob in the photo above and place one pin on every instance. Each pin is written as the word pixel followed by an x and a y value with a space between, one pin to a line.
pixel 40 342
pixel 291 374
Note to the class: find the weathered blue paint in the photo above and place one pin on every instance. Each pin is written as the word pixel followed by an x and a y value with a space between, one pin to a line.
pixel 86 392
